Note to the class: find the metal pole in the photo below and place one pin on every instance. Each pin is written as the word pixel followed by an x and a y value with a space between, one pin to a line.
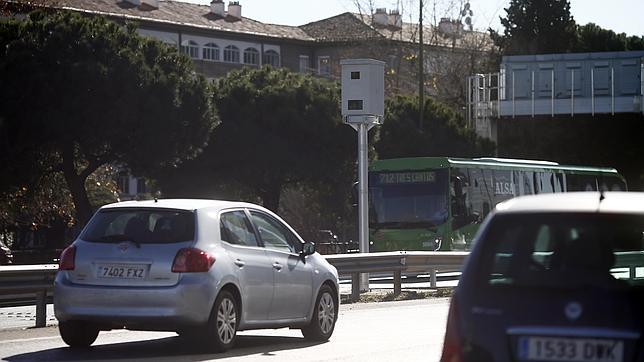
pixel 469 102
pixel 572 93
pixel 592 90
pixel 363 209
pixel 532 93
pixel 552 93
pixel 41 308
pixel 421 69
pixel 612 90
pixel 513 104
pixel 432 278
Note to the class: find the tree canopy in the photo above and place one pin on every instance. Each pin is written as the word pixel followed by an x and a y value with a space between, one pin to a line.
pixel 443 134
pixel 536 26
pixel 593 38
pixel 278 129
pixel 82 92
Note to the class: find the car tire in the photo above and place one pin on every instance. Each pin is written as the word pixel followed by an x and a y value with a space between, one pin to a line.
pixel 222 325
pixel 78 334
pixel 325 314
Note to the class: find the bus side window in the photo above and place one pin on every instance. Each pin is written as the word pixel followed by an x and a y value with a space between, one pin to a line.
pixel 460 211
pixel 486 209
pixel 456 193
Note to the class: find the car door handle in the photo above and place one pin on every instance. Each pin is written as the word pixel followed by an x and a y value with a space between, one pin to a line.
pixel 277 266
pixel 240 263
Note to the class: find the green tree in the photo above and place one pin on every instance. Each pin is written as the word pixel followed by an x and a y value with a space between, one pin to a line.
pixel 82 92
pixel 443 134
pixel 593 38
pixel 278 129
pixel 536 26
pixel 47 204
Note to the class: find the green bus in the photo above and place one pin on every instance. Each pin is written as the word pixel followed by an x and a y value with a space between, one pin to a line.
pixel 438 203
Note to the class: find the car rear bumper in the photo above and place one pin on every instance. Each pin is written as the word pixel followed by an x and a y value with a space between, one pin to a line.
pixel 148 308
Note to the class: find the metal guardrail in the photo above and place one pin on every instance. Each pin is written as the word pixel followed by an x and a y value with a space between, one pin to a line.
pixel 396 262
pixel 35 282
pixel 29 281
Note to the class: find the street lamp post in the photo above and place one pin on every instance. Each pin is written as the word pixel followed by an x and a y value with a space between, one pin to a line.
pixel 363 108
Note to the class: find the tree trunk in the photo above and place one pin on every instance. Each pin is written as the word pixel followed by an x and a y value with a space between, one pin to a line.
pixel 270 195
pixel 76 184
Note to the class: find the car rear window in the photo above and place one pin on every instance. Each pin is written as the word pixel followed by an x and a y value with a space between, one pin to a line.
pixel 565 250
pixel 141 226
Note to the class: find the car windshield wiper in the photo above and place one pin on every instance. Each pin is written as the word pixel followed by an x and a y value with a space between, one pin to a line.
pixel 116 238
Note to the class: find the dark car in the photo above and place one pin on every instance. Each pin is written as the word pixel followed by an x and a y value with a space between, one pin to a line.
pixel 556 277
pixel 6 256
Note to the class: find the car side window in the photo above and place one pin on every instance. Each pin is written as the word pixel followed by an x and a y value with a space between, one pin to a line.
pixel 236 229
pixel 274 234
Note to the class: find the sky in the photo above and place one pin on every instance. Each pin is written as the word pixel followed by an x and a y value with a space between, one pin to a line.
pixel 617 15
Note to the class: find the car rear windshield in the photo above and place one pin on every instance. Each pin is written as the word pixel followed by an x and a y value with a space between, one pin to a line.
pixel 141 226
pixel 565 250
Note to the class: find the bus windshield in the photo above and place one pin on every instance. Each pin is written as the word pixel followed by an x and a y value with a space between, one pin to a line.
pixel 409 198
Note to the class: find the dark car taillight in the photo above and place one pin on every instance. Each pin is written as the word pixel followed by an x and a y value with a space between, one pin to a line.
pixel 192 260
pixel 452 348
pixel 68 258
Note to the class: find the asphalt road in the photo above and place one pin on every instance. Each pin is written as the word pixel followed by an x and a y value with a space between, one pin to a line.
pixel 388 331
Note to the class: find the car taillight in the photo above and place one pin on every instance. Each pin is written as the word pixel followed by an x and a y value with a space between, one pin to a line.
pixel 67 258
pixel 452 349
pixel 192 260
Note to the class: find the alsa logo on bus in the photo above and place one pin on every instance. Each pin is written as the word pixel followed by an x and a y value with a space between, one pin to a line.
pixel 503 188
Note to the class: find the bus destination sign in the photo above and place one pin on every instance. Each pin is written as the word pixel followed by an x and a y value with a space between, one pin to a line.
pixel 407 177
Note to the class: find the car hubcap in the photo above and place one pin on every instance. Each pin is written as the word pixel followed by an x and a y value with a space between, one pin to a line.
pixel 226 321
pixel 326 313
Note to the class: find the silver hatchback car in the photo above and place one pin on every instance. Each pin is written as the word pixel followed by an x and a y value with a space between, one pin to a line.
pixel 202 268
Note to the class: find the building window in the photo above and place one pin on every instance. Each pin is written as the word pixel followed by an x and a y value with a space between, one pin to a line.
pixel 192 49
pixel 304 63
pixel 324 65
pixel 210 51
pixel 123 183
pixel 231 54
pixel 141 187
pixel 251 56
pixel 271 58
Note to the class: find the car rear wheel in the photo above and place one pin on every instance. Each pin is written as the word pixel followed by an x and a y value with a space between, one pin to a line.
pixel 78 333
pixel 222 326
pixel 324 316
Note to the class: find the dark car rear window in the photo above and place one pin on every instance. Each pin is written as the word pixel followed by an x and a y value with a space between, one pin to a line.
pixel 565 250
pixel 142 226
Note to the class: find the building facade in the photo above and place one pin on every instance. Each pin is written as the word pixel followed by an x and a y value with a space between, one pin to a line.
pixel 219 38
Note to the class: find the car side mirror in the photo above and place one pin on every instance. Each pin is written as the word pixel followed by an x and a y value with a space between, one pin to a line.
pixel 308 248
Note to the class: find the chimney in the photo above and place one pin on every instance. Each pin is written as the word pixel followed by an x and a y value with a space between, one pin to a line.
pixel 217 7
pixel 395 19
pixel 450 27
pixel 234 10
pixel 380 18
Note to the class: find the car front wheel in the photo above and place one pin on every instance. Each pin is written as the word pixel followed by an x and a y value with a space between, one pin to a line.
pixel 324 316
pixel 222 327
pixel 78 333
